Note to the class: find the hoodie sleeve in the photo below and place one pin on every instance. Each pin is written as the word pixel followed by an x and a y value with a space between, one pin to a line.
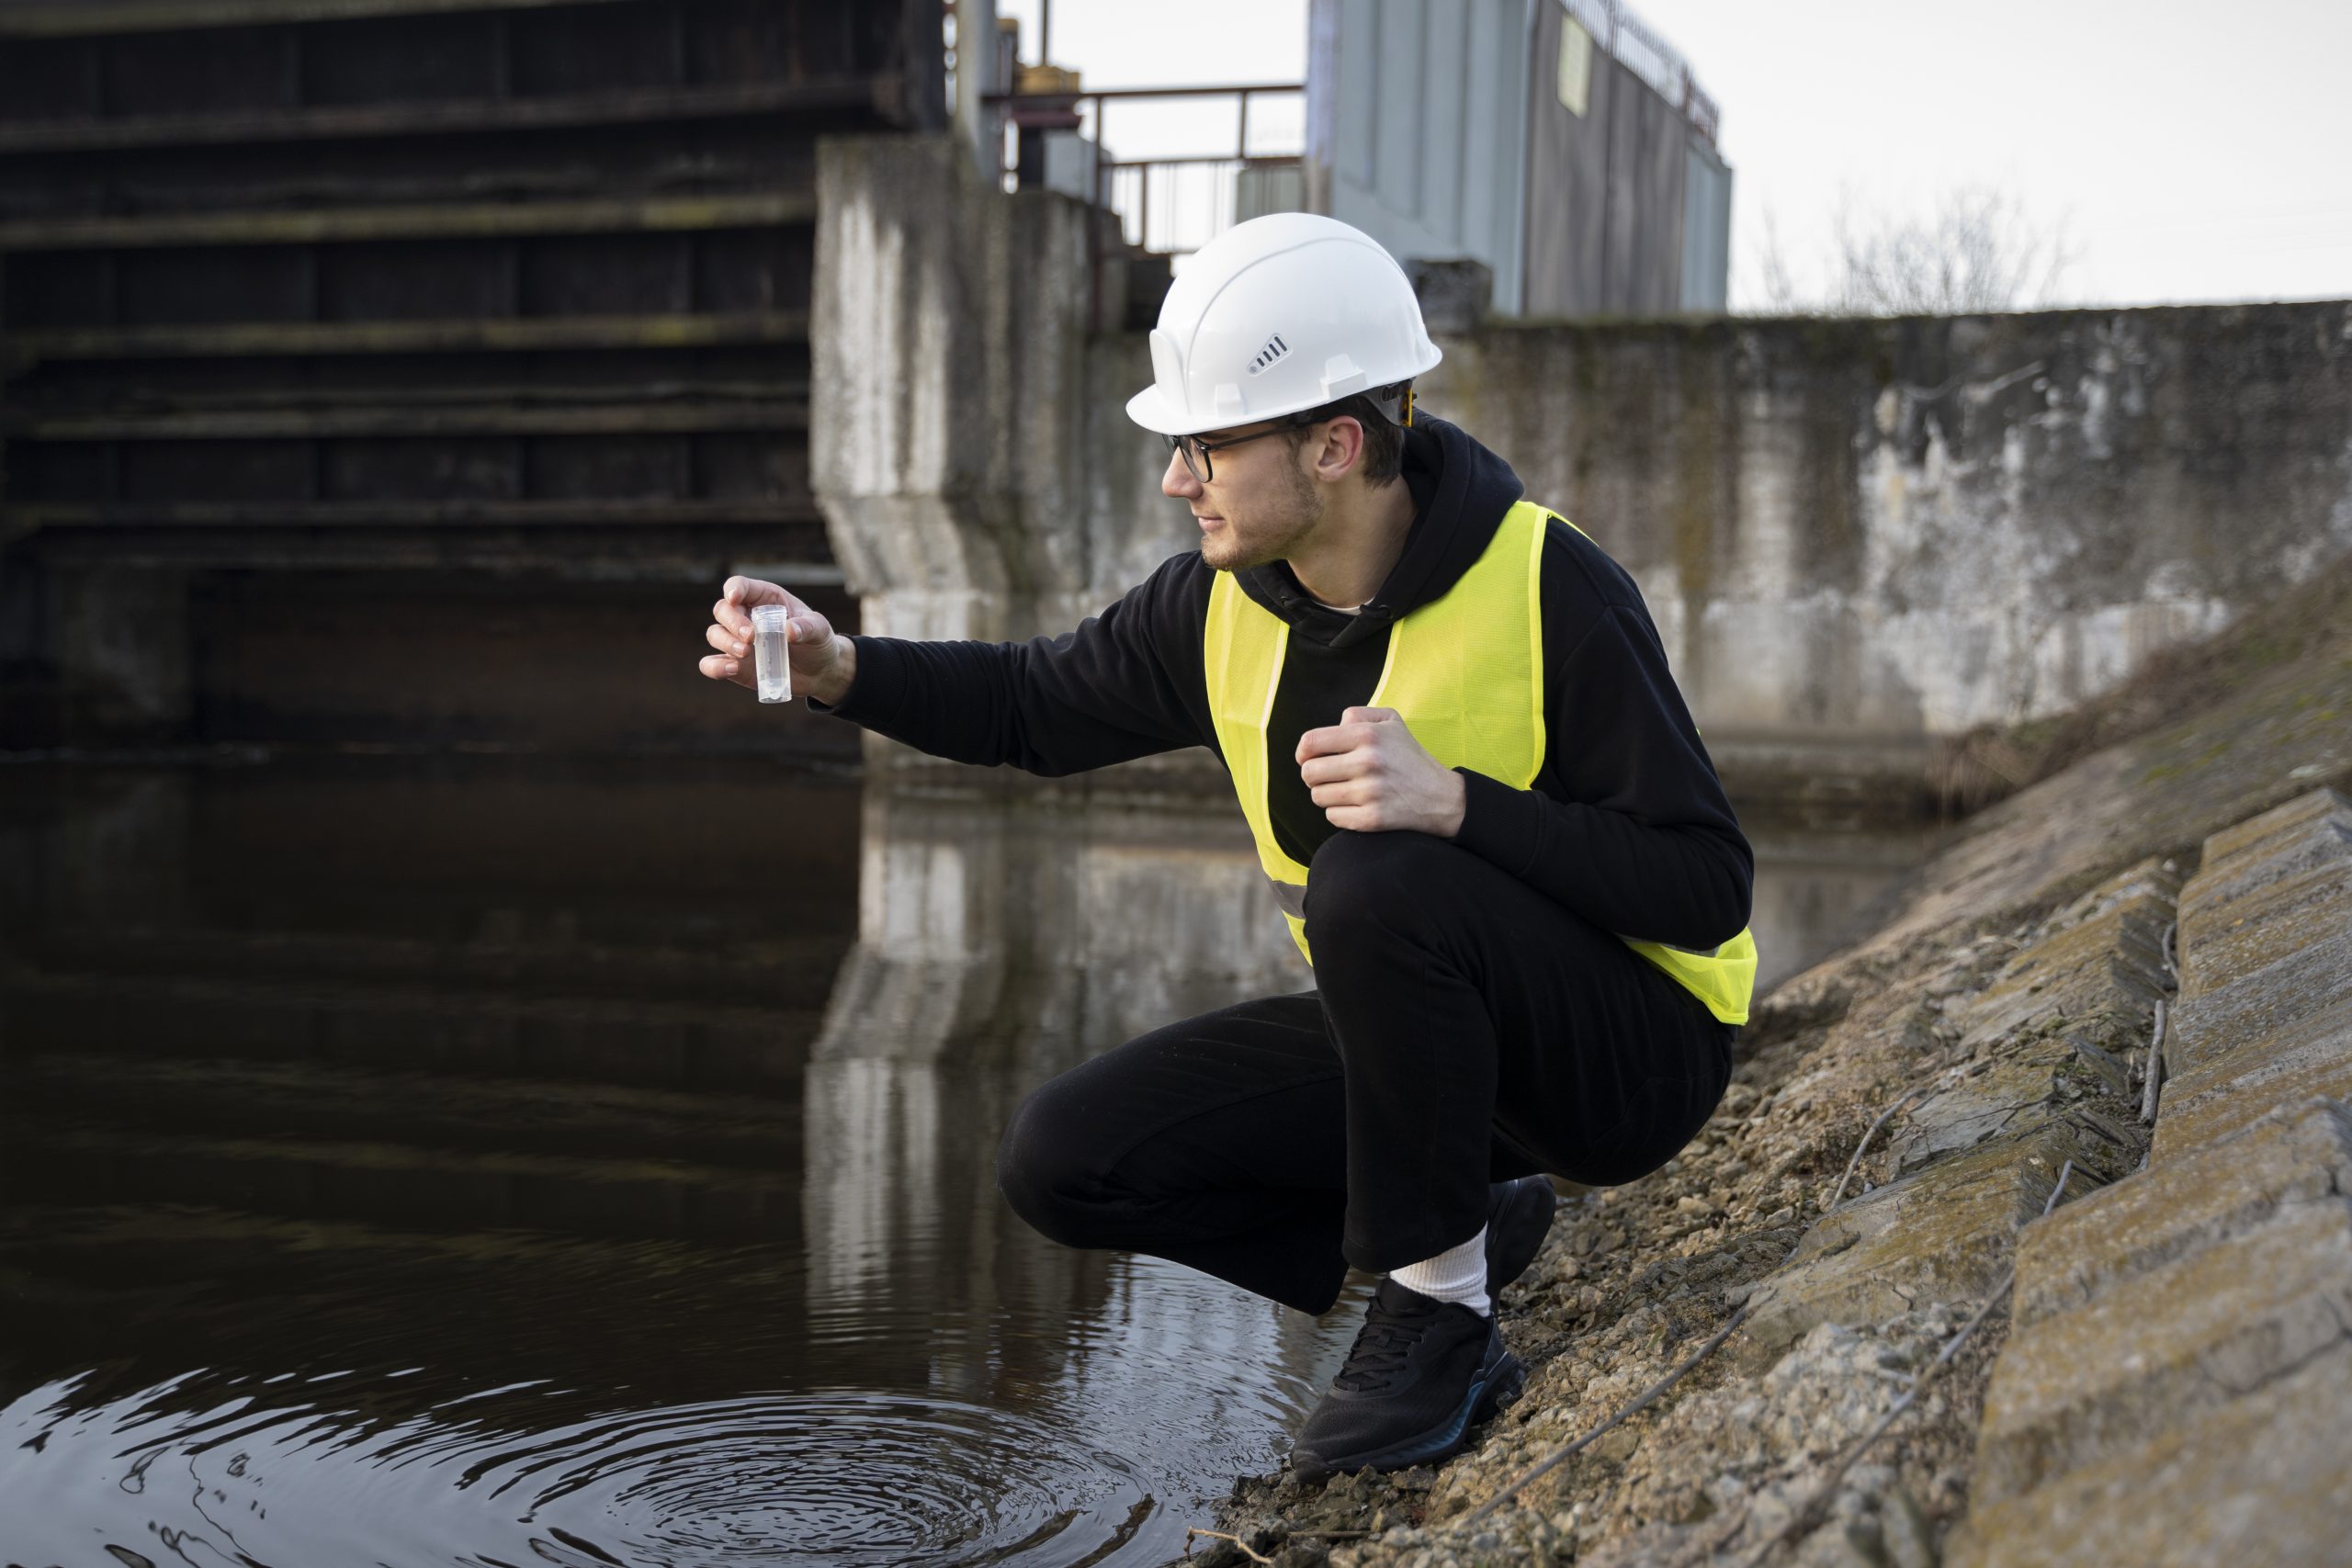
pixel 1101 694
pixel 1630 827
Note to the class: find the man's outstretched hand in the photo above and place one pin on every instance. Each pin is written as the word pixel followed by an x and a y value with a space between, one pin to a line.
pixel 1370 775
pixel 823 663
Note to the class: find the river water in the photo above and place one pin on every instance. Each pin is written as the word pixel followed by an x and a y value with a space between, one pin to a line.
pixel 496 1161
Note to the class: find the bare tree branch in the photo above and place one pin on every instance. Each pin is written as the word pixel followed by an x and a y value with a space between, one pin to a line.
pixel 1978 250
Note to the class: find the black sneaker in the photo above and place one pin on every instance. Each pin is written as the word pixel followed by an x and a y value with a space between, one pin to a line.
pixel 1518 1216
pixel 1421 1374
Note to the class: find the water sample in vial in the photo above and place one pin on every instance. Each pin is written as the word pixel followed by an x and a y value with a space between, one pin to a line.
pixel 771 647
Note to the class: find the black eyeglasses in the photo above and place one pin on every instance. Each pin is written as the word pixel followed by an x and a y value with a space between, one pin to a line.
pixel 1195 451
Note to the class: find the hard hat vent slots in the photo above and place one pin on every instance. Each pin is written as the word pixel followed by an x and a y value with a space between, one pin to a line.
pixel 1275 348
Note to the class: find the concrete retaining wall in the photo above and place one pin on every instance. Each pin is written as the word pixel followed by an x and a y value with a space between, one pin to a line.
pixel 1849 531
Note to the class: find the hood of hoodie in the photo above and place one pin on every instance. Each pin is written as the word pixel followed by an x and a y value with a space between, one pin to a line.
pixel 1460 493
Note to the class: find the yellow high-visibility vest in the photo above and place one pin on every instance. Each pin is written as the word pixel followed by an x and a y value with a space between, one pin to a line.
pixel 1466 673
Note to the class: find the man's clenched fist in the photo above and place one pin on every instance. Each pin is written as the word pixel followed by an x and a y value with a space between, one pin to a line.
pixel 1370 775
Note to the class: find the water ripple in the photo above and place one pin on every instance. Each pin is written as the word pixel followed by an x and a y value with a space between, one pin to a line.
pixel 848 1478
pixel 843 1478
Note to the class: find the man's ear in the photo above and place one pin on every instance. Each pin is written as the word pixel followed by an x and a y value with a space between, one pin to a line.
pixel 1341 448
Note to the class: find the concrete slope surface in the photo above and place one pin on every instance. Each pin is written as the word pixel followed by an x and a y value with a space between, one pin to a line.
pixel 2162 1367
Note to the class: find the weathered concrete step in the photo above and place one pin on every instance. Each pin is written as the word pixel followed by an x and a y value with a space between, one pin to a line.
pixel 2272 888
pixel 2278 1064
pixel 1943 1235
pixel 2016 1092
pixel 2265 935
pixel 2261 1482
pixel 2297 1153
pixel 2220 1027
pixel 2078 1387
pixel 2269 886
pixel 2108 963
pixel 2265 928
pixel 1983 1154
pixel 2288 818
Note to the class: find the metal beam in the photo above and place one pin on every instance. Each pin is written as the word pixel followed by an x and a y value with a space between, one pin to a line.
pixel 677 554
pixel 81 18
pixel 492 335
pixel 311 424
pixel 471 220
pixel 883 95
pixel 659 514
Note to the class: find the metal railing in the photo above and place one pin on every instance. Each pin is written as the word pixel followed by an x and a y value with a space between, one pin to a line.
pixel 1088 112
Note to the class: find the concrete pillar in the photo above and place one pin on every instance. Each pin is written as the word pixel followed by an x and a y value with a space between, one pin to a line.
pixel 949 406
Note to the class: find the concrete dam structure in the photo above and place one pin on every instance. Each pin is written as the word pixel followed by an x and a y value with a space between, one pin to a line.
pixel 400 370
pixel 1853 534
pixel 337 413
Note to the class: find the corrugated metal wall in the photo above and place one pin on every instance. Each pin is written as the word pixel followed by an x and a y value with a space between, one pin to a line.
pixel 1415 113
pixel 1503 130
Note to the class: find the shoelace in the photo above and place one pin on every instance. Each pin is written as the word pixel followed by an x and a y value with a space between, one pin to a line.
pixel 1380 1346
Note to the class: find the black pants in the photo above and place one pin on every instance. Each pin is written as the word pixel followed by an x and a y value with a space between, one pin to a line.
pixel 1467 1029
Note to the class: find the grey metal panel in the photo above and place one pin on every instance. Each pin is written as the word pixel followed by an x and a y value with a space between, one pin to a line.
pixel 1419 115
pixel 1604 230
pixel 1567 158
pixel 1706 231
pixel 1646 228
pixel 1512 71
pixel 1443 152
pixel 1358 38
pixel 1476 181
pixel 1397 171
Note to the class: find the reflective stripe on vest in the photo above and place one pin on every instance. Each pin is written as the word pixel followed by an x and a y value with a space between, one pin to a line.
pixel 1466 674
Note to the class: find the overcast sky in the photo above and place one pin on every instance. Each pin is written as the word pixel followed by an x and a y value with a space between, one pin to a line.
pixel 2187 153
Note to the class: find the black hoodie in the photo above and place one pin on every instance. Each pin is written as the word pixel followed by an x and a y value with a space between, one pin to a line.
pixel 1626 824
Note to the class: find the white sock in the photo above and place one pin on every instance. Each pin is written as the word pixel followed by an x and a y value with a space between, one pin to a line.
pixel 1458 1274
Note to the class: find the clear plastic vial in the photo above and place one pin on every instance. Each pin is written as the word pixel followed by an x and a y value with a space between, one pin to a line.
pixel 771 647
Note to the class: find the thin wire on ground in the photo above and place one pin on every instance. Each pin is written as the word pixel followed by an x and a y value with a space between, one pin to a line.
pixel 1863 1148
pixel 1808 1515
pixel 1640 1403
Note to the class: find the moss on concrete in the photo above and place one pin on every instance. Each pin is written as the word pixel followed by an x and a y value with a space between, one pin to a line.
pixel 2015 980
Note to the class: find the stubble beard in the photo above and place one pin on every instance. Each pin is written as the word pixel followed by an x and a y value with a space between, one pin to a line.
pixel 1273 537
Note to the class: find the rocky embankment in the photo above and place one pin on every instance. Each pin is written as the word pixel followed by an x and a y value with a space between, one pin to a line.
pixel 2160 1368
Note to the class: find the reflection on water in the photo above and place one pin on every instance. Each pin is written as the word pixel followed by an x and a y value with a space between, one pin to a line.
pixel 1816 891
pixel 502 1163
pixel 507 1163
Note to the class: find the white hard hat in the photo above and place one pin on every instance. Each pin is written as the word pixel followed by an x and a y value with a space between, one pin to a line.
pixel 1282 313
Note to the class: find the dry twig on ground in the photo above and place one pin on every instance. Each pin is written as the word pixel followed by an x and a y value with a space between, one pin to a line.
pixel 1191 1530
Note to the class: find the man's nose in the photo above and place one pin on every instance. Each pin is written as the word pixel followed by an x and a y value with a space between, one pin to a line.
pixel 1178 481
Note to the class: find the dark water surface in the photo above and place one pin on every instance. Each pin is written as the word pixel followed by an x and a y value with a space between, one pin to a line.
pixel 513 1162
